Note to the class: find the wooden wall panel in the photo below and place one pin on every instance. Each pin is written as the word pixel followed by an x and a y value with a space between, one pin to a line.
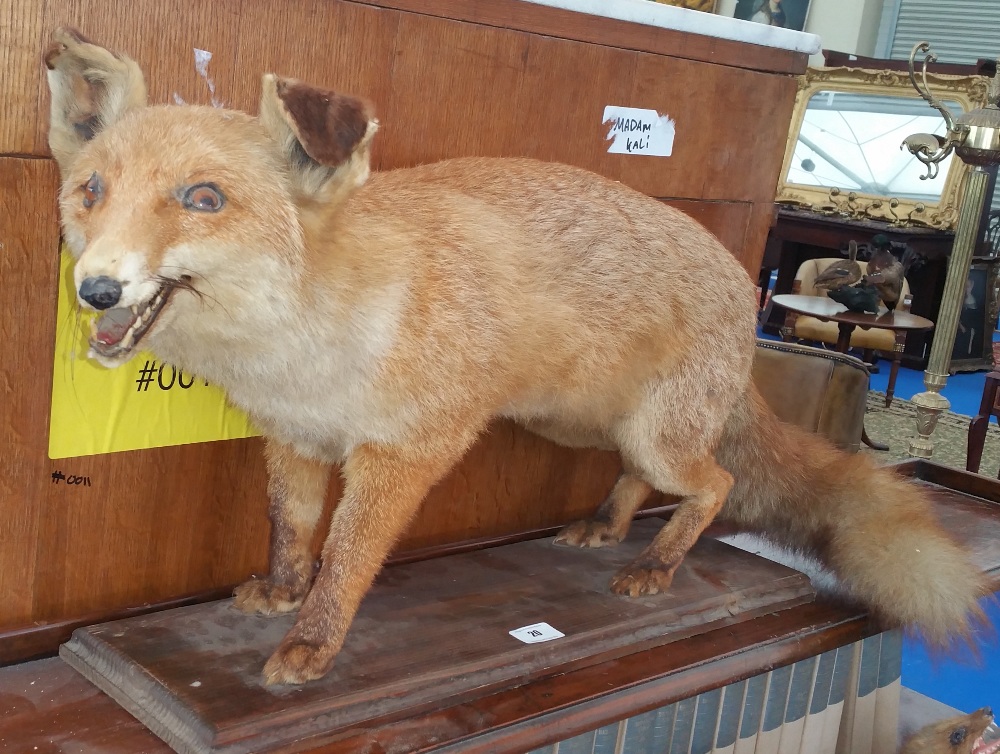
pixel 529 99
pixel 438 64
pixel 762 217
pixel 20 37
pixel 154 524
pixel 529 95
pixel 161 37
pixel 560 110
pixel 28 268
pixel 357 55
pixel 165 522
pixel 555 22
pixel 730 135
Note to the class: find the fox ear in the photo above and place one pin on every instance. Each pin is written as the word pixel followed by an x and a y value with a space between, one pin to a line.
pixel 325 137
pixel 91 89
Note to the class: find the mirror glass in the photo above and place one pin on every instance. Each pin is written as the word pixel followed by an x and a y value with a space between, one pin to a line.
pixel 851 141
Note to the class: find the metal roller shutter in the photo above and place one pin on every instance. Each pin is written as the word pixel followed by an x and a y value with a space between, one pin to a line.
pixel 959 31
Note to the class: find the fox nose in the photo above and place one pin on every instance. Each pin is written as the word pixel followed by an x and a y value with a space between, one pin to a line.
pixel 101 292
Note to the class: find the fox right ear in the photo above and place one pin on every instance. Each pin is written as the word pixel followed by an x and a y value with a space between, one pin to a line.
pixel 325 137
pixel 91 89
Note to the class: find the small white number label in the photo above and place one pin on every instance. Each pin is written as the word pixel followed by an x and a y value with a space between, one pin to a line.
pixel 535 633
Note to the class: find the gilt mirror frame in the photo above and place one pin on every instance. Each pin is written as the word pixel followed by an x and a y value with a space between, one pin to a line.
pixel 968 91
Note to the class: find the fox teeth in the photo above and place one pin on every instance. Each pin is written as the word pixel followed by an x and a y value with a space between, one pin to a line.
pixel 93 330
pixel 128 340
pixel 135 310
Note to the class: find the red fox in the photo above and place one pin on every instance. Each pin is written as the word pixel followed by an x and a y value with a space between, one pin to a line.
pixel 380 321
pixel 966 734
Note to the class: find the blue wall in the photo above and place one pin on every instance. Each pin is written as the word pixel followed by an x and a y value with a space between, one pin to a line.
pixel 963 683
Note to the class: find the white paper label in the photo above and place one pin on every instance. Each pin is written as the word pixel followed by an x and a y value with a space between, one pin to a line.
pixel 638 131
pixel 535 633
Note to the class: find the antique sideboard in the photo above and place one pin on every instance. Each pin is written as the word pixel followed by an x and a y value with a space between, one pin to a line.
pixel 447 78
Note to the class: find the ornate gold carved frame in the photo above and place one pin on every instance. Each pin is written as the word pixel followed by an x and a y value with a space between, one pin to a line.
pixel 968 91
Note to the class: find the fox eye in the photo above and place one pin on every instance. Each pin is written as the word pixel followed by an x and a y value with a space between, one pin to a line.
pixel 204 197
pixel 92 191
pixel 957 736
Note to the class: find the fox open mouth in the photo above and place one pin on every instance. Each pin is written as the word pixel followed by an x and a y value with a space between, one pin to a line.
pixel 987 744
pixel 118 331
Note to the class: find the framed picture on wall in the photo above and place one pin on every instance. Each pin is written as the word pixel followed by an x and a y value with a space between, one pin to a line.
pixel 790 14
pixel 974 338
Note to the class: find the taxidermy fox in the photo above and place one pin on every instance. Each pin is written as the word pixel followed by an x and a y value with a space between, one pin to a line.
pixel 381 321
pixel 974 733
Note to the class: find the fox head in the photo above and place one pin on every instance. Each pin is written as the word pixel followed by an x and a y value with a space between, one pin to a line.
pixel 160 204
pixel 974 733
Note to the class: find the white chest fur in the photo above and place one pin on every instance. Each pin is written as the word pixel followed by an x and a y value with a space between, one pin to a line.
pixel 309 379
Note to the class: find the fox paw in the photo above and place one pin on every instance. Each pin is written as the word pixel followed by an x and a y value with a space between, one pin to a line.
pixel 264 597
pixel 636 581
pixel 296 661
pixel 588 533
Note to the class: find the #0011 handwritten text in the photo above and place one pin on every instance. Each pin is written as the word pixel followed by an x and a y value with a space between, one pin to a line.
pixel 638 131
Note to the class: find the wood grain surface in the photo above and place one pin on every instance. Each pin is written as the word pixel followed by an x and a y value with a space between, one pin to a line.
pixel 427 634
pixel 46 703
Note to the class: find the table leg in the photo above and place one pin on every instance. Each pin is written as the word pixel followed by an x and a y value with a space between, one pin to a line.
pixel 843 344
pixel 897 355
pixel 844 337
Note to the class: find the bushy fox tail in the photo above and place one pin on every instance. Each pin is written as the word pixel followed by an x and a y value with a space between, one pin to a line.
pixel 872 528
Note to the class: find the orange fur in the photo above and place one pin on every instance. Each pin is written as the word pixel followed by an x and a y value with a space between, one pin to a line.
pixel 956 735
pixel 873 529
pixel 381 321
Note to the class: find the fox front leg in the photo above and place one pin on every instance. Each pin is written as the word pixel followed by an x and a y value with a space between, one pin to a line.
pixel 383 487
pixel 297 488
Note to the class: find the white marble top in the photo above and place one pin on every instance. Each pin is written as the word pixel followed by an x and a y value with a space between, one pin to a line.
pixel 693 21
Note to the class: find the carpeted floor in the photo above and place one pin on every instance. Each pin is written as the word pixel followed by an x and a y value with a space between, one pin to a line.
pixel 897 424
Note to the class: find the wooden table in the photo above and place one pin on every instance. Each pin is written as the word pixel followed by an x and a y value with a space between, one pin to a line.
pixel 828 310
pixel 799 235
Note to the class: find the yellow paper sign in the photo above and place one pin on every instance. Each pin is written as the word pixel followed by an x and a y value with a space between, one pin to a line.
pixel 143 404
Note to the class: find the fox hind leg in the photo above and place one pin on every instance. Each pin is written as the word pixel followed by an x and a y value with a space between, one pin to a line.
pixel 704 486
pixel 670 443
pixel 610 522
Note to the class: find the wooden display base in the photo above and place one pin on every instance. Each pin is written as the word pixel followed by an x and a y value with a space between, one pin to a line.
pixel 430 632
